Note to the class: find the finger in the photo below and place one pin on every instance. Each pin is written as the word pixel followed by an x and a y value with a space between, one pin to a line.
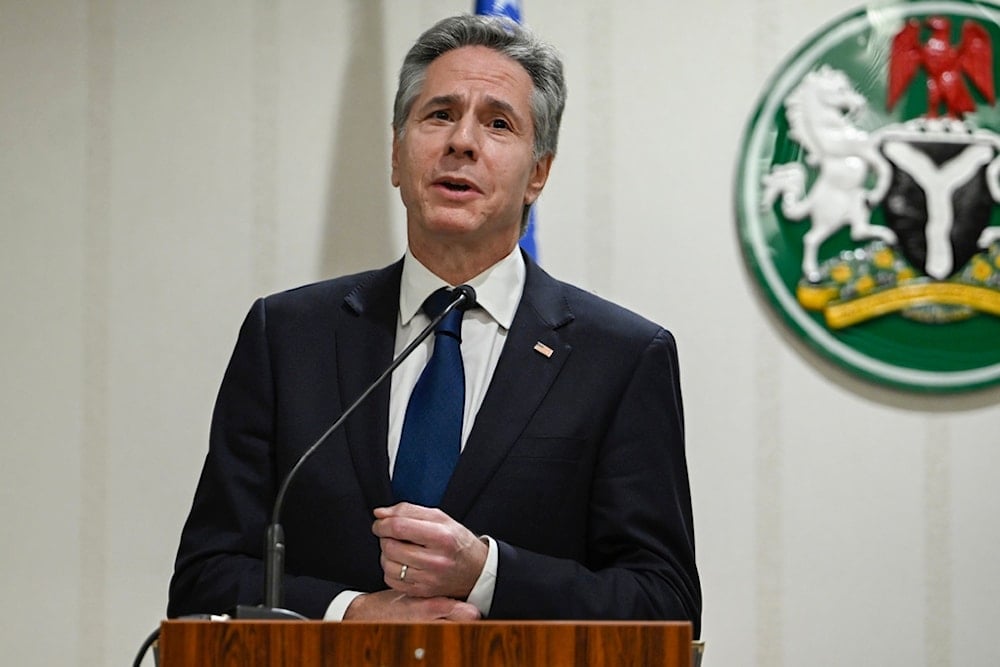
pixel 414 580
pixel 432 567
pixel 407 552
pixel 396 571
pixel 390 566
pixel 391 577
pixel 415 530
pixel 403 529
pixel 404 577
pixel 443 609
pixel 462 612
pixel 412 511
pixel 390 605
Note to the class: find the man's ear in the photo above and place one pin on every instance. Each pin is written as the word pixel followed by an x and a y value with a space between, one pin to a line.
pixel 539 175
pixel 395 159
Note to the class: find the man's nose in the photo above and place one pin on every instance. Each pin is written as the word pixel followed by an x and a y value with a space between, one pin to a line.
pixel 465 137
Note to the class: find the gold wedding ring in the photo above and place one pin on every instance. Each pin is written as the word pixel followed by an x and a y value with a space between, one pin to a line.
pixel 402 572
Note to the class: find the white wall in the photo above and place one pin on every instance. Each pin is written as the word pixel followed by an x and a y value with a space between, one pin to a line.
pixel 163 163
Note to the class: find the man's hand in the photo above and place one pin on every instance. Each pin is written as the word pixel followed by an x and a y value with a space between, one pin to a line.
pixel 393 606
pixel 443 558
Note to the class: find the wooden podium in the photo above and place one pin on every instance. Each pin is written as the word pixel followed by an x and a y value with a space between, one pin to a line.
pixel 479 644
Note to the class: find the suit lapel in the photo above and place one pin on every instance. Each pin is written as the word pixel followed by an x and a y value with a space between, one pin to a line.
pixel 520 382
pixel 362 355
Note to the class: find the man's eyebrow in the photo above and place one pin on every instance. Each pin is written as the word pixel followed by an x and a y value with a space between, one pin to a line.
pixel 439 101
pixel 502 105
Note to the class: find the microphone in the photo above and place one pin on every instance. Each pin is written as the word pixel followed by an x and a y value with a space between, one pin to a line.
pixel 274 552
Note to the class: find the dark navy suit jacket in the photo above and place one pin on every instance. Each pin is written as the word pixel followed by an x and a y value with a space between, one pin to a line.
pixel 575 464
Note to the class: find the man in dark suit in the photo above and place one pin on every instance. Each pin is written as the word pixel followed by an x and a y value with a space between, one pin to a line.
pixel 569 497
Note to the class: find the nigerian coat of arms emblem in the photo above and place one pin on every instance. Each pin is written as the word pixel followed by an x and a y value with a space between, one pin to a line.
pixel 868 194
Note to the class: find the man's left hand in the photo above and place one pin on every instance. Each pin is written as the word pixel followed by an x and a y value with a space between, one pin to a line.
pixel 442 557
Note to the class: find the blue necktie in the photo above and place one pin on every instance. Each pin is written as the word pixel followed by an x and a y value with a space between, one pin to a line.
pixel 432 428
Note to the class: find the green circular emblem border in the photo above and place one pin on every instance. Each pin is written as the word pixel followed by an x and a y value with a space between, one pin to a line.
pixel 757 251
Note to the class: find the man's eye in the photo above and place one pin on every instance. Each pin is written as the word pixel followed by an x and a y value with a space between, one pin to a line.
pixel 440 115
pixel 499 124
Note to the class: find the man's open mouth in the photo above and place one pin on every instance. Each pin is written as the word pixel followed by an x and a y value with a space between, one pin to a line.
pixel 456 185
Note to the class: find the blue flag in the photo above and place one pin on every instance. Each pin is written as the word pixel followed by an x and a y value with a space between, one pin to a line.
pixel 512 10
pixel 509 8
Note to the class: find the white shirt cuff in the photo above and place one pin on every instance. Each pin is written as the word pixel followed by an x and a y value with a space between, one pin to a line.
pixel 481 596
pixel 337 608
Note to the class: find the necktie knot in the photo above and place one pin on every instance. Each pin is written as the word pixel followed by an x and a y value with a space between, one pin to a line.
pixel 435 304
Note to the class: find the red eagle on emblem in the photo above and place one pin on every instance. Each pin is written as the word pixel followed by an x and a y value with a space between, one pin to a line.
pixel 944 63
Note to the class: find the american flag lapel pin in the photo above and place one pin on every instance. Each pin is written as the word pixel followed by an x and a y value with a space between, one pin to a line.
pixel 543 349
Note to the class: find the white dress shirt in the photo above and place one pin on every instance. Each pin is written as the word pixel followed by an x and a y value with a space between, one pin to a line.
pixel 484 331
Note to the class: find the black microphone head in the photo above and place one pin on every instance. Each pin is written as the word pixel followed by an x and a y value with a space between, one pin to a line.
pixel 470 297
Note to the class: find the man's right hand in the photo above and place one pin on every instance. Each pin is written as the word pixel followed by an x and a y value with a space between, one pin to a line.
pixel 391 605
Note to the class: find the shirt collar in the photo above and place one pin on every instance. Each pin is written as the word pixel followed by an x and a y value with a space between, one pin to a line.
pixel 498 288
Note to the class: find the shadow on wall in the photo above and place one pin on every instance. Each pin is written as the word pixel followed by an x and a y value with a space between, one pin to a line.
pixel 358 232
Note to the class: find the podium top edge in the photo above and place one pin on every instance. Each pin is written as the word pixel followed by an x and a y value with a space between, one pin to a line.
pixel 483 623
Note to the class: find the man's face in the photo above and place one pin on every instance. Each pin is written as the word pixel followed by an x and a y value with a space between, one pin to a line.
pixel 464 164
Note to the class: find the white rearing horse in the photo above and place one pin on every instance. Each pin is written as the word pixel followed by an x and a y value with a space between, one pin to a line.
pixel 819 111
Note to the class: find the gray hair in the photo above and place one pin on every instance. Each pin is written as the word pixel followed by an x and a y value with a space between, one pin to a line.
pixel 503 35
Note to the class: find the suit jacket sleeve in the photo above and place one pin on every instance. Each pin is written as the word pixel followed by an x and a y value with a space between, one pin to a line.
pixel 638 561
pixel 219 561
